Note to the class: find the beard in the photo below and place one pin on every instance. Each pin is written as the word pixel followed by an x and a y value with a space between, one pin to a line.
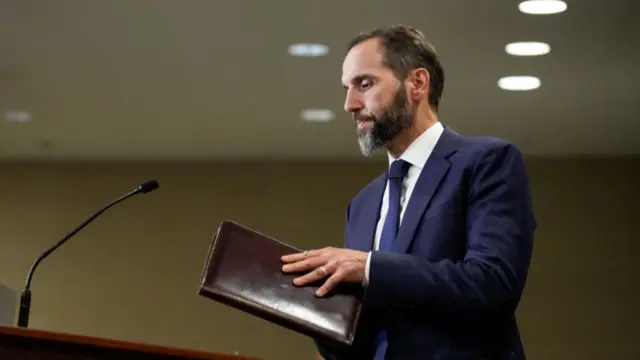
pixel 395 119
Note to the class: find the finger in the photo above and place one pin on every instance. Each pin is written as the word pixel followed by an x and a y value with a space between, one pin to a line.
pixel 305 265
pixel 295 257
pixel 331 282
pixel 320 272
pixel 299 256
pixel 308 278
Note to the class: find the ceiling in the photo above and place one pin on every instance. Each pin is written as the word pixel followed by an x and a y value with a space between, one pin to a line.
pixel 198 79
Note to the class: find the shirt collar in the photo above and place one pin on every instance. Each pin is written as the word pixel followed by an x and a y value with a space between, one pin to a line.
pixel 421 148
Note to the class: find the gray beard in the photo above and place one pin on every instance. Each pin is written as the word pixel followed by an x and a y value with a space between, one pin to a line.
pixel 368 146
pixel 397 118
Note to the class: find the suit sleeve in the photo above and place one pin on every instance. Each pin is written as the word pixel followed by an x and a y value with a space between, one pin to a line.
pixel 491 276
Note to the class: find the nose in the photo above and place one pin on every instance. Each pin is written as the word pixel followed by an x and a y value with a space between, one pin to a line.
pixel 353 102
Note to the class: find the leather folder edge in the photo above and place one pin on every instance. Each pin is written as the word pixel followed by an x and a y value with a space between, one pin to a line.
pixel 260 311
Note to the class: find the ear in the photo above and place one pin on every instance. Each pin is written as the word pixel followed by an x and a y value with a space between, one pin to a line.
pixel 420 81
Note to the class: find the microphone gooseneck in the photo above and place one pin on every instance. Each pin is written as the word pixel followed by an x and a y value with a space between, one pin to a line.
pixel 25 298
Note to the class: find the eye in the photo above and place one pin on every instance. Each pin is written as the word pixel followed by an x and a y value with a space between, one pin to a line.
pixel 365 84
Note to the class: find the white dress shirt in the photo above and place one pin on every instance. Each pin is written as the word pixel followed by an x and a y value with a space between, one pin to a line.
pixel 417 155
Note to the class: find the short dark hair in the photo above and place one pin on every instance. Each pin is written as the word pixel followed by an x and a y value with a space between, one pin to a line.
pixel 405 49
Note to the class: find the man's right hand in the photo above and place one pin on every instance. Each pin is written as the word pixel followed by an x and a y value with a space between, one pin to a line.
pixel 319 357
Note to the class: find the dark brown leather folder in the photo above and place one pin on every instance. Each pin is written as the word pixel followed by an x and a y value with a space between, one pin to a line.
pixel 243 270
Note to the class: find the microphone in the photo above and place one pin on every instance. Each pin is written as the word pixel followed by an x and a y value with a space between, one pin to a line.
pixel 25 298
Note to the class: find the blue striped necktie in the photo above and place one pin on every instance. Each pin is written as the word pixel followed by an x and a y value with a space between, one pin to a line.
pixel 397 172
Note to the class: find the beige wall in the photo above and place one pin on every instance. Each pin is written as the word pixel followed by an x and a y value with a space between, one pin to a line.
pixel 134 273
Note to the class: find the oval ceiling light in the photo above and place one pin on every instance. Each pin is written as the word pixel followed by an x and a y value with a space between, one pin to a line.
pixel 17 116
pixel 519 83
pixel 542 7
pixel 317 115
pixel 527 48
pixel 308 49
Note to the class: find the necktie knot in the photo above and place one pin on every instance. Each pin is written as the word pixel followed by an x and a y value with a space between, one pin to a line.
pixel 398 169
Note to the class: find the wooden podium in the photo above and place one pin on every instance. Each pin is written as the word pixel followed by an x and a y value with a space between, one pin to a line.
pixel 29 344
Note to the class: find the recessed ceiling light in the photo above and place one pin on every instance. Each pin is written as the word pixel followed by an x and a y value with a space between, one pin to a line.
pixel 542 7
pixel 308 49
pixel 17 116
pixel 317 115
pixel 527 48
pixel 519 83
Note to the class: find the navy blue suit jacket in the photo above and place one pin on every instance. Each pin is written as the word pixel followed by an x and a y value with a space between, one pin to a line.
pixel 450 288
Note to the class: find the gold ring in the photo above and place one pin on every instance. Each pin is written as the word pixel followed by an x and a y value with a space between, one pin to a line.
pixel 324 271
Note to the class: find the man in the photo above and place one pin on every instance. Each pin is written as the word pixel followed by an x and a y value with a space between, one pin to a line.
pixel 442 241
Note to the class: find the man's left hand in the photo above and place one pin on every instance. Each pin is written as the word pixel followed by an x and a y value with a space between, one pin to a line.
pixel 337 265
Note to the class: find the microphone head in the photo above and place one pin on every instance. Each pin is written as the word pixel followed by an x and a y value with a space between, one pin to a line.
pixel 148 186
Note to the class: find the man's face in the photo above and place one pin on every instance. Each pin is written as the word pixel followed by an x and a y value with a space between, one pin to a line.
pixel 375 97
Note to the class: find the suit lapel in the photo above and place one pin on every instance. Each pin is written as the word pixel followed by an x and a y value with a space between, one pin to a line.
pixel 367 223
pixel 431 176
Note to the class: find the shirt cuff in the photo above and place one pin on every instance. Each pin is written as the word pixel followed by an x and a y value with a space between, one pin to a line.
pixel 365 281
